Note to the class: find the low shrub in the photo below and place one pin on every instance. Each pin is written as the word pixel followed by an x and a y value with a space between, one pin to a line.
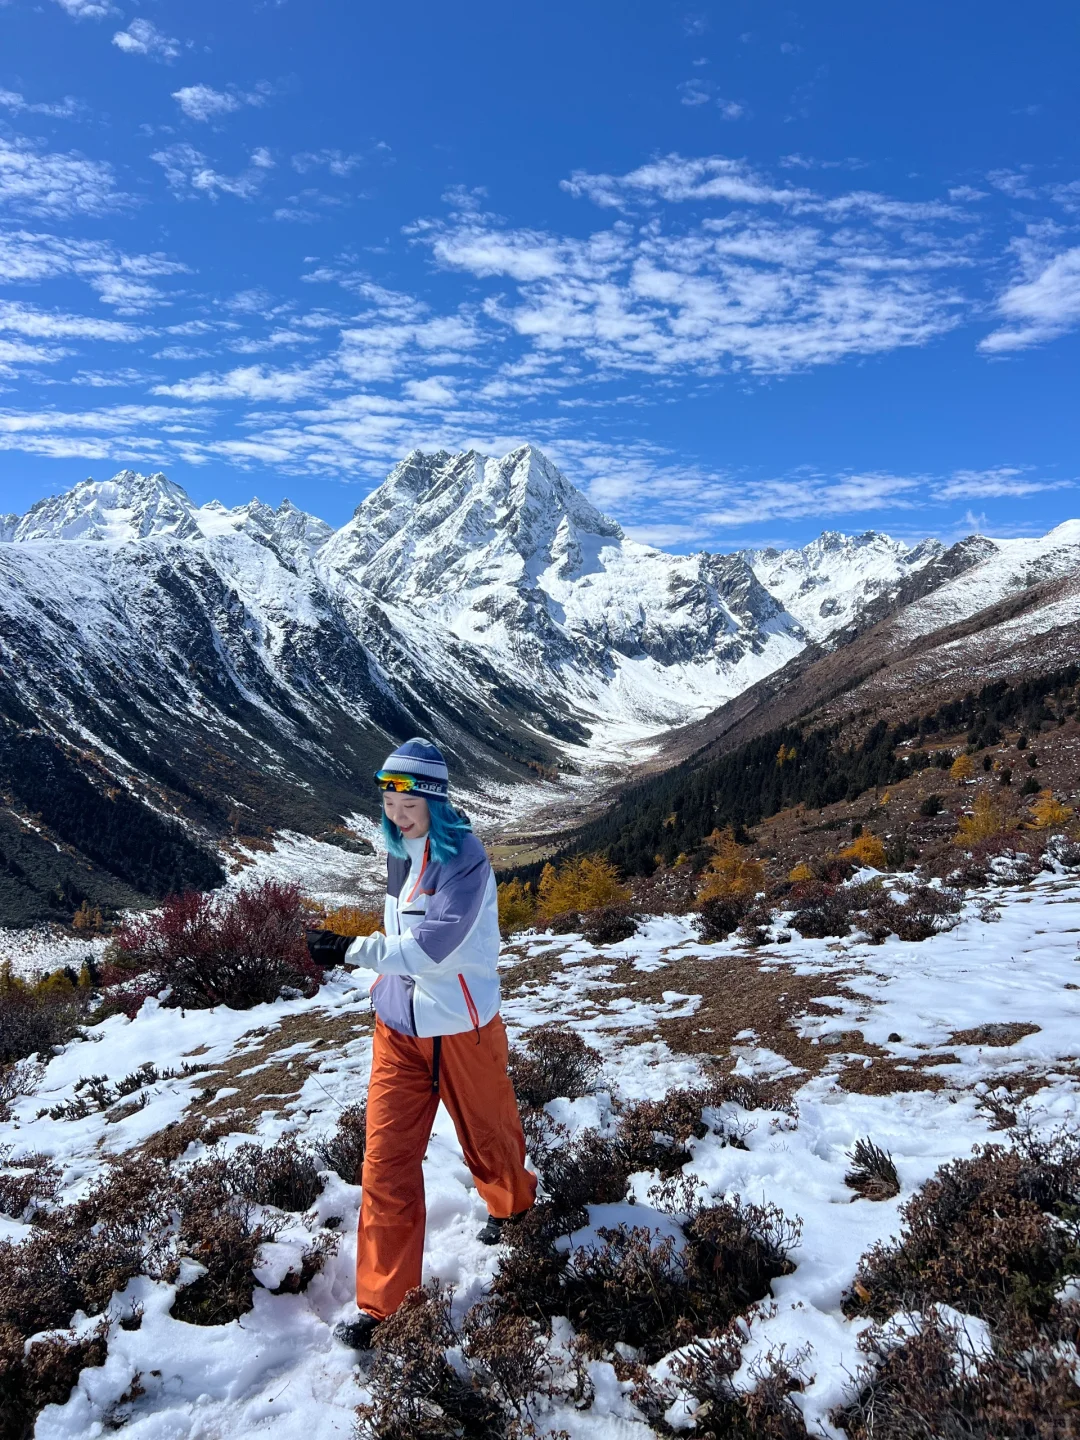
pixel 566 924
pixel 926 910
pixel 930 1386
pixel 555 1063
pixel 638 1289
pixel 25 1180
pixel 22 1077
pixel 872 1174
pixel 239 950
pixel 608 924
pixel 653 1134
pixel 821 910
pixel 588 1171
pixel 931 806
pixel 655 1295
pixel 44 1374
pixel 343 1151
pixel 704 1372
pixel 216 1228
pixel 718 917
pixel 34 1018
pixel 76 1256
pixel 417 1392
pixel 992 1236
pixel 285 1175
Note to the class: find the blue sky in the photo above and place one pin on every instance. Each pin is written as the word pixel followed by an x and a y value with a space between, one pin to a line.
pixel 746 271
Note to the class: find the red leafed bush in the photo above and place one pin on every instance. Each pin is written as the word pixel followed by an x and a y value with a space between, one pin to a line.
pixel 211 949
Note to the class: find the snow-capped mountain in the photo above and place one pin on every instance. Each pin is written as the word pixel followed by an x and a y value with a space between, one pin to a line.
pixel 246 668
pixel 827 582
pixel 502 562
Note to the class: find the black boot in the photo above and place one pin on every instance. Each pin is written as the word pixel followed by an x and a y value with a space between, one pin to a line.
pixel 356 1334
pixel 492 1233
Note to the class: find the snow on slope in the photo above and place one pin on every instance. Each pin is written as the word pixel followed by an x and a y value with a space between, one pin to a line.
pixel 1017 565
pixel 277 1371
pixel 825 583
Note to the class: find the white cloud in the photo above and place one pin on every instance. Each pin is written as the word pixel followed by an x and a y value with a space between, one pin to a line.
pixel 250 382
pixel 117 432
pixel 740 291
pixel 1003 481
pixel 27 320
pixel 693 92
pixel 1042 305
pixel 730 109
pixel 142 37
pixel 203 102
pixel 966 193
pixel 66 109
pixel 120 280
pixel 54 184
pixel 190 175
pixel 88 9
pixel 335 161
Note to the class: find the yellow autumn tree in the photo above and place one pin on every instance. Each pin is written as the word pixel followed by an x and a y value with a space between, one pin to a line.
pixel 866 849
pixel 87 917
pixel 1047 811
pixel 800 873
pixel 962 768
pixel 731 871
pixel 352 920
pixel 517 906
pixel 986 819
pixel 582 883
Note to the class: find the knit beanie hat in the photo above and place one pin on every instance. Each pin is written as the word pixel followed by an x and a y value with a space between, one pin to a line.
pixel 422 760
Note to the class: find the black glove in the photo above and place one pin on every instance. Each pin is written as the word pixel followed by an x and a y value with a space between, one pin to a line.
pixel 326 948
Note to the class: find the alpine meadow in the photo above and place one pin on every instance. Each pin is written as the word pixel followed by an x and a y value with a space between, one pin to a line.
pixel 539 721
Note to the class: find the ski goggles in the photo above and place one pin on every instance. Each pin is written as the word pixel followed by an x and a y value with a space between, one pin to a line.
pixel 389 780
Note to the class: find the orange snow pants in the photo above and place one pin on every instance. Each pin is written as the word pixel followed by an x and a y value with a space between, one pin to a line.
pixel 476 1090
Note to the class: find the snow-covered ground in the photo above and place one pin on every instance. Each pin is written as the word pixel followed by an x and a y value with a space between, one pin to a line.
pixel 1013 958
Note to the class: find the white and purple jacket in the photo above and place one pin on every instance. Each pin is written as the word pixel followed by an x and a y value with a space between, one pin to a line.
pixel 438 961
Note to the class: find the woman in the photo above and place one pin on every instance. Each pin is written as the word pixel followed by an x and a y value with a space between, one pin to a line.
pixel 438 1033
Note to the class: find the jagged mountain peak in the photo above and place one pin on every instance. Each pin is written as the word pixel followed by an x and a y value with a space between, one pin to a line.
pixel 517 514
pixel 130 506
pixel 826 582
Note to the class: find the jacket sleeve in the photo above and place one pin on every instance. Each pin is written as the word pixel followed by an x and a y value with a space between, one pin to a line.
pixel 451 914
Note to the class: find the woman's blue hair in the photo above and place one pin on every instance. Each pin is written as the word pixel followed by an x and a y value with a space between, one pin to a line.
pixel 447 829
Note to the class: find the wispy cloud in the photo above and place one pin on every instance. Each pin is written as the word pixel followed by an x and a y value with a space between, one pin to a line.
pixel 142 37
pixel 251 382
pixel 335 161
pixel 190 174
pixel 203 102
pixel 1040 305
pixel 998 483
pixel 829 277
pixel 23 319
pixel 88 9
pixel 53 184
pixel 120 279
pixel 67 109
